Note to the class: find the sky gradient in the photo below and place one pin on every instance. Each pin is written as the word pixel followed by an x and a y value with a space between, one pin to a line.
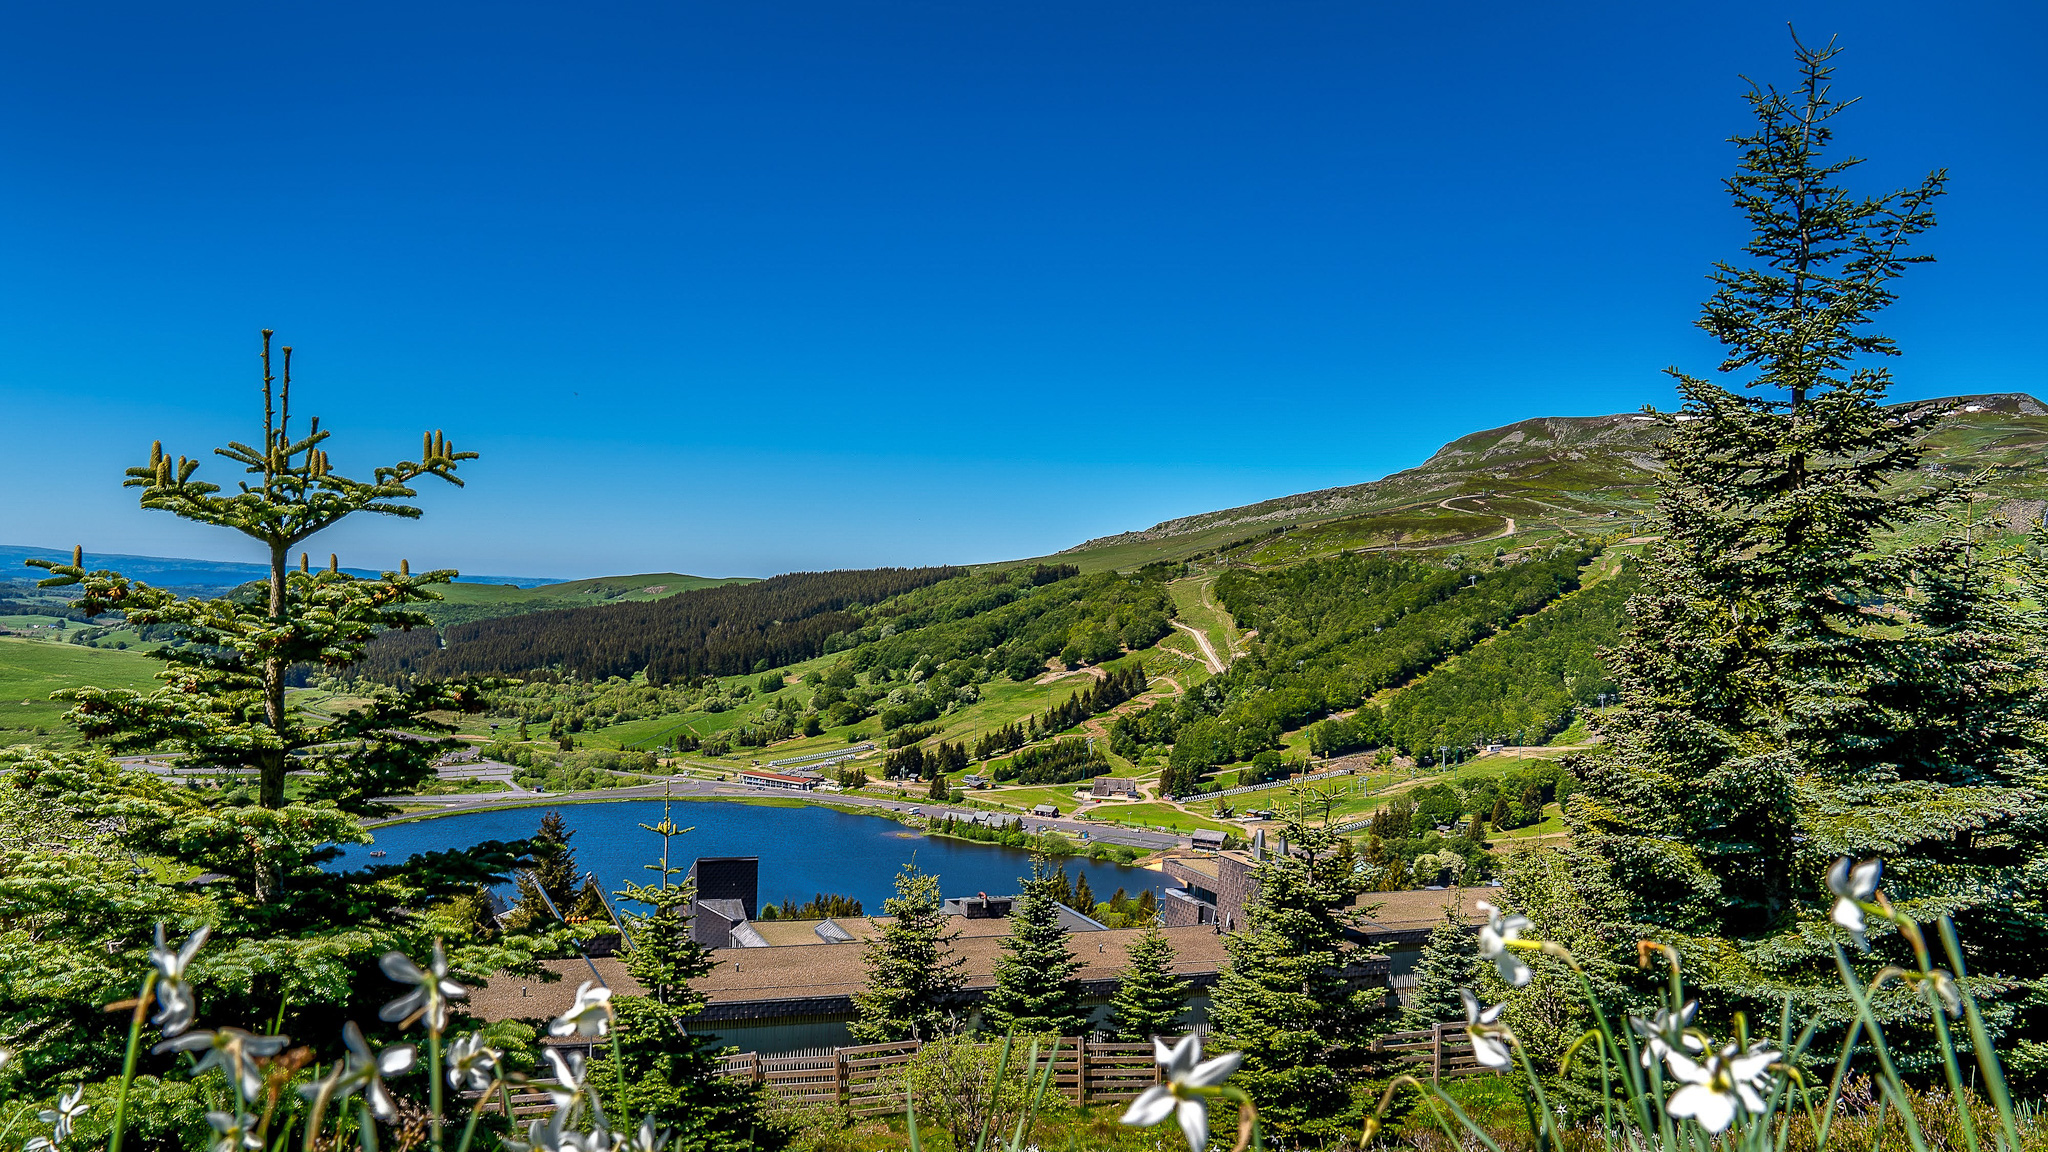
pixel 736 289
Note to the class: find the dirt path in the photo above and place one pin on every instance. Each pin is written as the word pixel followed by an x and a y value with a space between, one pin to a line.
pixel 1209 658
pixel 1445 504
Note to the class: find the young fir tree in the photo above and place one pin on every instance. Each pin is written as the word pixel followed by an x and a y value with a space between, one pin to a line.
pixel 1450 962
pixel 671 1073
pixel 1149 999
pixel 553 872
pixel 223 704
pixel 1035 990
pixel 1794 689
pixel 937 791
pixel 1286 1000
pixel 913 977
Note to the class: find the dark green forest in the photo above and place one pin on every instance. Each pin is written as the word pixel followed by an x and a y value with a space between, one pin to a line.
pixel 710 632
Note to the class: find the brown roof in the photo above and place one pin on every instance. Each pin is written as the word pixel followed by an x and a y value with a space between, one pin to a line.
pixel 1419 910
pixel 829 971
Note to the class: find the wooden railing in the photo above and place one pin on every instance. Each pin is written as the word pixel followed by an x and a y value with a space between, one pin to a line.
pixel 1445 1050
pixel 866 1079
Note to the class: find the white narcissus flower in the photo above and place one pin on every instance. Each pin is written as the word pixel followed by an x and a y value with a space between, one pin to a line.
pixel 1666 1032
pixel 1496 940
pixel 1854 886
pixel 176 1005
pixel 1489 1038
pixel 469 1061
pixel 70 1106
pixel 233 1051
pixel 237 1132
pixel 1717 1086
pixel 1182 1094
pixel 590 1015
pixel 431 989
pixel 364 1071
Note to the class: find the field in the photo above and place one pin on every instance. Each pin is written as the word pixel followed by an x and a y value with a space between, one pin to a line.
pixel 463 602
pixel 32 669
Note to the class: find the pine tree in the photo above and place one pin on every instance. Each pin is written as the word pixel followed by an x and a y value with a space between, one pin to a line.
pixel 937 791
pixel 671 1073
pixel 1284 999
pixel 913 978
pixel 1149 999
pixel 1791 693
pixel 1035 990
pixel 1084 896
pixel 1450 962
pixel 553 872
pixel 224 699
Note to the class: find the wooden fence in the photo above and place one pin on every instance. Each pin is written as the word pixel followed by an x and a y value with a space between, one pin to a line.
pixel 1445 1050
pixel 866 1078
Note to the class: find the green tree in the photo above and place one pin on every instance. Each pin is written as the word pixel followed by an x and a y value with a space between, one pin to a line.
pixel 913 978
pixel 671 1073
pixel 1035 989
pixel 224 698
pixel 1795 686
pixel 1450 962
pixel 1149 999
pixel 1284 999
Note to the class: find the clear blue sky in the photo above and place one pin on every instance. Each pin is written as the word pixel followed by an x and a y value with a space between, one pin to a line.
pixel 748 287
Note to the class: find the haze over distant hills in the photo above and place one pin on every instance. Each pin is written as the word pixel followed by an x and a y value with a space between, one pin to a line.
pixel 1544 476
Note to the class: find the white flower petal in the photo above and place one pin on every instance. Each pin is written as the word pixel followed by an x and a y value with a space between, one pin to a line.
pixel 395 1059
pixel 1749 1098
pixel 1150 1107
pixel 1488 1050
pixel 1194 1124
pixel 1684 1069
pixel 1849 915
pixel 1712 1110
pixel 1210 1073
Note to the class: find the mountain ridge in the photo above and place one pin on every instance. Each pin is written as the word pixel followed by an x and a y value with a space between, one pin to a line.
pixel 1598 465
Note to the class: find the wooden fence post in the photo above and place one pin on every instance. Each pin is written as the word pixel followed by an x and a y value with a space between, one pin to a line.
pixel 842 1086
pixel 1081 1070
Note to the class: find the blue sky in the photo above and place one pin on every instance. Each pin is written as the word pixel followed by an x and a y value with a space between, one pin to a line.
pixel 746 288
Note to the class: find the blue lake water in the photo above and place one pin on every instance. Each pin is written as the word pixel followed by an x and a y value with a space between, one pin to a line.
pixel 803 851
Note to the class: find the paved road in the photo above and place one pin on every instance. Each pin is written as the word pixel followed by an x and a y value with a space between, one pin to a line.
pixel 685 786
pixel 696 786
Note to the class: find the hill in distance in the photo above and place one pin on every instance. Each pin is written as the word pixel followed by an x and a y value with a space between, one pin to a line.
pixel 1548 477
pixel 206 576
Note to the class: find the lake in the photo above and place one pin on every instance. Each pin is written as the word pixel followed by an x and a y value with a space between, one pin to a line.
pixel 804 850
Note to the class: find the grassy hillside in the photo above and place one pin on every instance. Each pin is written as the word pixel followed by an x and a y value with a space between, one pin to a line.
pixel 1548 478
pixel 461 603
pixel 30 670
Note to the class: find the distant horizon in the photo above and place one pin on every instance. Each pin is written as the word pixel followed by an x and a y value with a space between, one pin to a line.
pixel 799 286
pixel 532 580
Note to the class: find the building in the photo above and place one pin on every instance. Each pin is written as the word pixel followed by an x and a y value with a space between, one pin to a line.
pixel 727 891
pixel 762 778
pixel 1114 787
pixel 797 990
pixel 1214 890
pixel 1046 810
pixel 973 781
pixel 1207 839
